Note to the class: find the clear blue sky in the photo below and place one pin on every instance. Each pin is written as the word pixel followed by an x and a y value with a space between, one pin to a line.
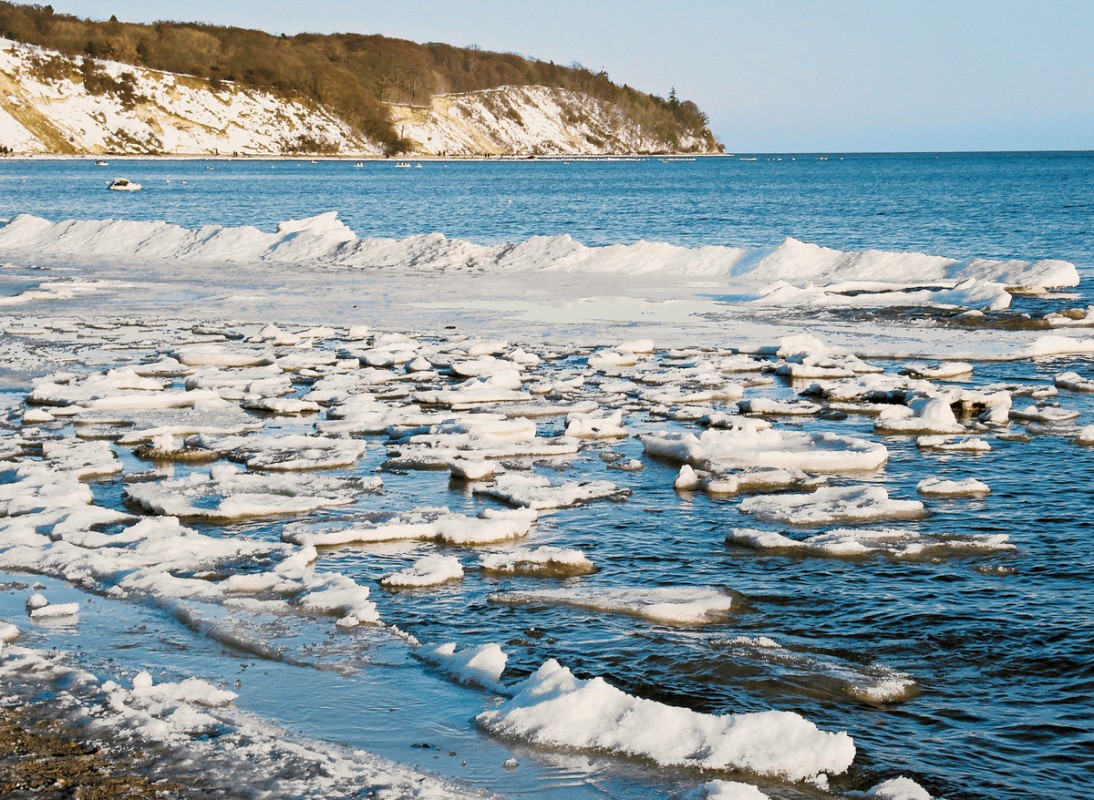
pixel 773 75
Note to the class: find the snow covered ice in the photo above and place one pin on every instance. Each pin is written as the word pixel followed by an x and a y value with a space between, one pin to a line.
pixel 330 452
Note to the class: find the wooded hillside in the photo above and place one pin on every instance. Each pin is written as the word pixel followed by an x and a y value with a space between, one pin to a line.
pixel 354 75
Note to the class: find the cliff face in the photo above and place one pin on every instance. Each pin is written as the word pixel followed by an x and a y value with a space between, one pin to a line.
pixel 53 104
pixel 530 120
pixel 50 103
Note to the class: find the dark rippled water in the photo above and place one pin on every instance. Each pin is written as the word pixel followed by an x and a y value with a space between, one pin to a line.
pixel 1000 205
pixel 1000 646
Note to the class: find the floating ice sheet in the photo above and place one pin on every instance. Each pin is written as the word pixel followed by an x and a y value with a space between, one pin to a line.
pixel 537 492
pixel 892 542
pixel 832 504
pixel 228 494
pixel 669 605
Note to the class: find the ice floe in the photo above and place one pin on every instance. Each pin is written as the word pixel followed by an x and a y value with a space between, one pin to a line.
pixel 493 525
pixel 226 493
pixel 723 790
pixel 948 488
pixel 832 504
pixel 1074 382
pixel 284 453
pixel 752 445
pixel 552 561
pixel 431 570
pixel 476 666
pixel 899 788
pixel 852 542
pixel 538 493
pixel 669 605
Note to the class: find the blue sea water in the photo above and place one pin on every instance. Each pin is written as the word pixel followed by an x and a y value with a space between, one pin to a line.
pixel 1001 646
pixel 997 205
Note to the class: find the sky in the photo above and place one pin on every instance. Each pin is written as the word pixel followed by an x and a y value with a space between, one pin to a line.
pixel 773 75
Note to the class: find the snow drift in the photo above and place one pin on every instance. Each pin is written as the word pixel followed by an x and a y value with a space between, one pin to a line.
pixel 793 273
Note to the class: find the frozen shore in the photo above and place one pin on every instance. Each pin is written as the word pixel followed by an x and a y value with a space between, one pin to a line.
pixel 137 445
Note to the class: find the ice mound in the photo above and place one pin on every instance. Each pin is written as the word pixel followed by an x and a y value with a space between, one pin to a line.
pixel 946 488
pixel 65 389
pixel 431 570
pixel 501 387
pixel 595 426
pixel 82 459
pixel 475 666
pixel 554 708
pixel 39 608
pixel 283 453
pixel 537 492
pixel 723 790
pixel 899 788
pixel 1074 382
pixel 966 444
pixel 747 480
pixel 669 605
pixel 752 445
pixel 1044 413
pixel 137 426
pixel 218 355
pixel 929 415
pixel 326 240
pixel 832 504
pixel 766 406
pixel 969 293
pixel 1047 346
pixel 228 494
pixel 553 561
pixel 947 370
pixel 38 488
pixel 852 542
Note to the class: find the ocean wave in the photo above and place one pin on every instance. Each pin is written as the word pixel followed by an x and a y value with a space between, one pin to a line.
pixel 793 272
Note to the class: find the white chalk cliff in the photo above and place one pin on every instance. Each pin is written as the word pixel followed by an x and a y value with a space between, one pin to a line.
pixel 46 107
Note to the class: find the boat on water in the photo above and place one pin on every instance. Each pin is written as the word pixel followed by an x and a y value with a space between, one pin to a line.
pixel 359 165
pixel 102 163
pixel 402 165
pixel 123 185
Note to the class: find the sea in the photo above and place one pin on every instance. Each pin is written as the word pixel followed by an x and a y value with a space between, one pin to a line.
pixel 995 648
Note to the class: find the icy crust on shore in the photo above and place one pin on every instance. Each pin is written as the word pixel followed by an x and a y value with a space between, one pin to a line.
pixel 536 429
pixel 194 734
pixel 794 273
pixel 554 708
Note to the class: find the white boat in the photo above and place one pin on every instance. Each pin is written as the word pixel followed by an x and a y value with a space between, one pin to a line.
pixel 359 165
pixel 403 165
pixel 102 163
pixel 124 185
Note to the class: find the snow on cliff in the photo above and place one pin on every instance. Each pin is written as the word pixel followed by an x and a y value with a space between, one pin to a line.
pixel 45 107
pixel 513 120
